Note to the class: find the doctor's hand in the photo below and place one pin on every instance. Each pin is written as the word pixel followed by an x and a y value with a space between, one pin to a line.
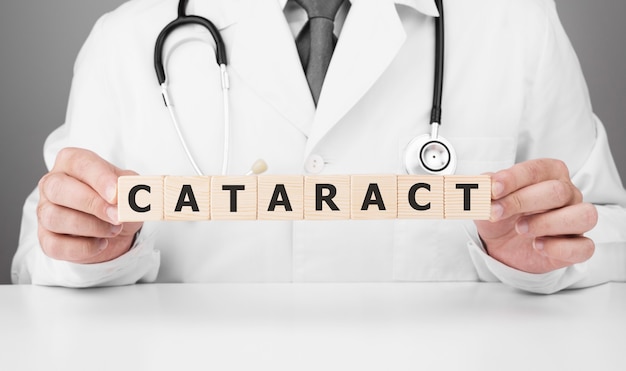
pixel 77 211
pixel 538 218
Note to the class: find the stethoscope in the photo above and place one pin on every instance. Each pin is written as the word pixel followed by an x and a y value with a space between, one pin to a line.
pixel 425 154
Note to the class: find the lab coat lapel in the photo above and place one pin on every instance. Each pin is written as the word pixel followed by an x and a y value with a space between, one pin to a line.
pixel 265 56
pixel 370 39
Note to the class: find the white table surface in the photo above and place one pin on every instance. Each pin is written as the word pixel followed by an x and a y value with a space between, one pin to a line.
pixel 408 326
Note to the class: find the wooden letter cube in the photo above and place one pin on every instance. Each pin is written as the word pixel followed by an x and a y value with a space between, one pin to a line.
pixel 281 197
pixel 420 197
pixel 374 196
pixel 467 197
pixel 187 198
pixel 140 198
pixel 327 197
pixel 234 197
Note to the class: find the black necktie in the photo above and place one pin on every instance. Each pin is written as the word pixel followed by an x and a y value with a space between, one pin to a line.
pixel 316 41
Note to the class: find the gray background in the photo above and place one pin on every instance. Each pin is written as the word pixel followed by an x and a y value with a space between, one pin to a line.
pixel 39 40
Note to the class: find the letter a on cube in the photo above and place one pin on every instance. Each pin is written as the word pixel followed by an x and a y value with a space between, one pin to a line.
pixel 281 197
pixel 374 197
pixel 187 198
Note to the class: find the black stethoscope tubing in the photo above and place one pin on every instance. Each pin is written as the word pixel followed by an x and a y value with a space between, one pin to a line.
pixel 435 116
pixel 183 20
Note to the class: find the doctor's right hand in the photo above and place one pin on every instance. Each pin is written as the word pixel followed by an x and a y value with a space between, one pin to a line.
pixel 77 211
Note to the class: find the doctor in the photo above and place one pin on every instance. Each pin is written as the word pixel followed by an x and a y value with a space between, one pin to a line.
pixel 515 104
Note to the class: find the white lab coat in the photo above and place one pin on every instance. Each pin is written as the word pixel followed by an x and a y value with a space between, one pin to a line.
pixel 513 91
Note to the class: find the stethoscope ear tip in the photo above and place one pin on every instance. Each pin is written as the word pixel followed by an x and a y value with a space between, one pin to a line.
pixel 259 167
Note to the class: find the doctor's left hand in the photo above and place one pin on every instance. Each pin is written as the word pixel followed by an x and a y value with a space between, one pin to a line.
pixel 538 218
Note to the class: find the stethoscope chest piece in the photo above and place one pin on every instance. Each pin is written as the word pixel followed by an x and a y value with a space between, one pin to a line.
pixel 428 154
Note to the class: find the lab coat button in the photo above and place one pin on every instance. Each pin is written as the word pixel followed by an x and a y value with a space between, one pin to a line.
pixel 314 164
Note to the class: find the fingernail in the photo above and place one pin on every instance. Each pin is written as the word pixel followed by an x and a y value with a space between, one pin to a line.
pixel 538 244
pixel 112 214
pixel 497 188
pixel 496 211
pixel 102 244
pixel 522 226
pixel 116 229
pixel 110 193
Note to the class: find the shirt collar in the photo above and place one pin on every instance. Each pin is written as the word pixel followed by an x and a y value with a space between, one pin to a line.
pixel 427 7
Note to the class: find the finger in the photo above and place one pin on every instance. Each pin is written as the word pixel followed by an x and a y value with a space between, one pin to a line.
pixel 572 220
pixel 90 169
pixel 571 250
pixel 71 248
pixel 525 174
pixel 59 219
pixel 546 195
pixel 63 190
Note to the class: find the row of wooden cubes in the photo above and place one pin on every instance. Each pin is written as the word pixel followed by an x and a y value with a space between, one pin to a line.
pixel 297 197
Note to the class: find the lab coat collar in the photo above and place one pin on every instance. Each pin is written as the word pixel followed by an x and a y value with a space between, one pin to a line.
pixel 223 14
pixel 264 55
pixel 427 7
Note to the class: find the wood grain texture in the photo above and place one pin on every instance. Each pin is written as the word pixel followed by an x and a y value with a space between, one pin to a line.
pixel 280 197
pixel 187 198
pixel 374 197
pixel 140 198
pixel 234 197
pixel 327 197
pixel 420 197
pixel 467 197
